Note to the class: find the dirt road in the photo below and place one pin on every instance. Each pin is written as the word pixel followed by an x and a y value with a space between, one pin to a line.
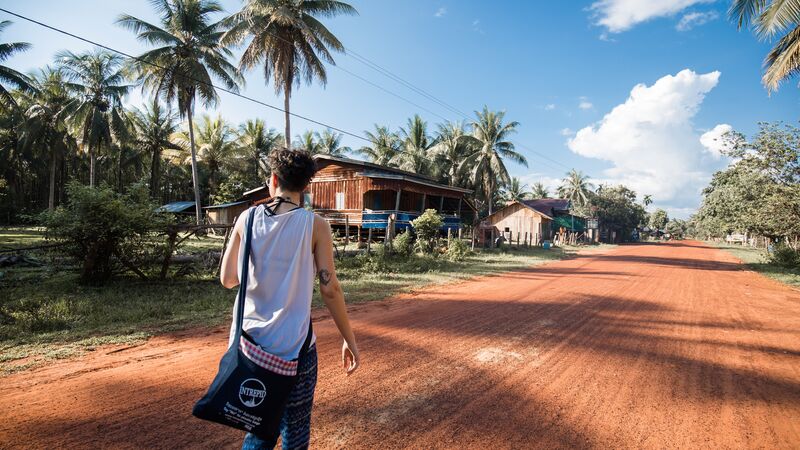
pixel 668 346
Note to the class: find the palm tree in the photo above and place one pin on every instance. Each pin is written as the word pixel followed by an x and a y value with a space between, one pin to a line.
pixel 154 127
pixel 188 53
pixel 415 144
pixel 9 76
pixel 539 191
pixel 384 145
pixel 771 18
pixel 287 38
pixel 576 187
pixel 97 81
pixel 256 142
pixel 307 142
pixel 216 146
pixel 490 143
pixel 648 199
pixel 43 126
pixel 330 143
pixel 450 148
pixel 516 191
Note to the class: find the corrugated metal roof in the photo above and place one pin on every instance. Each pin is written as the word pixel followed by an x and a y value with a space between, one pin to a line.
pixel 548 205
pixel 176 207
pixel 225 205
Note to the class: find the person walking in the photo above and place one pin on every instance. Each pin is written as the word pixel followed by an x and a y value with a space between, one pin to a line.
pixel 289 245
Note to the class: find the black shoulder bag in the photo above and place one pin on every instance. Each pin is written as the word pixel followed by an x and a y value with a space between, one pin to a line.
pixel 252 386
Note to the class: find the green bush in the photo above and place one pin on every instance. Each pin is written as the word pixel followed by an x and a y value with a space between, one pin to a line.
pixel 785 256
pixel 403 244
pixel 457 250
pixel 102 229
pixel 427 227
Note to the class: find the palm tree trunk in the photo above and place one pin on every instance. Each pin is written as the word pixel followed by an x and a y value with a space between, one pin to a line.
pixel 195 178
pixel 92 161
pixel 155 172
pixel 119 171
pixel 287 92
pixel 490 197
pixel 51 201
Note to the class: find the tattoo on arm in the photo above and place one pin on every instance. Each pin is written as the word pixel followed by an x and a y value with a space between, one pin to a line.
pixel 324 277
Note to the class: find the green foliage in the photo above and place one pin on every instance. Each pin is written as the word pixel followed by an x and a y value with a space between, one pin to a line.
pixel 785 256
pixel 658 219
pixel 457 250
pixel 403 243
pixel 677 228
pixel 427 227
pixel 97 224
pixel 760 192
pixel 616 208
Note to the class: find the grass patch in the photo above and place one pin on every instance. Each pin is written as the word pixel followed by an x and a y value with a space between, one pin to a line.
pixel 46 315
pixel 18 237
pixel 756 260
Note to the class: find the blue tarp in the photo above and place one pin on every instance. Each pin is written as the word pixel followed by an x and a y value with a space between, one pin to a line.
pixel 176 207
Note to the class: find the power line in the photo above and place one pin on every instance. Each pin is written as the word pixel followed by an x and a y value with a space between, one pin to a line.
pixel 220 88
pixel 361 59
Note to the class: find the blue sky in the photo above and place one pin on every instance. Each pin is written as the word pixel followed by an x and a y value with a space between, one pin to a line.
pixel 564 70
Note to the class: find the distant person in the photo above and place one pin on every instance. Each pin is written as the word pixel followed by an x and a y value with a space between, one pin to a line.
pixel 289 243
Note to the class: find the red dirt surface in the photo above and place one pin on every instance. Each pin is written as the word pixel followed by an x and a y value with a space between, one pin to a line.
pixel 669 346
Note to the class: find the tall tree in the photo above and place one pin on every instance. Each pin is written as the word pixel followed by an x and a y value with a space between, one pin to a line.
pixel 216 147
pixel 288 40
pixel 98 83
pixel 414 154
pixel 490 140
pixel 450 148
pixel 154 127
pixel 516 191
pixel 384 146
pixel 256 142
pixel 647 200
pixel 539 191
pixel 307 142
pixel 43 125
pixel 188 53
pixel 330 143
pixel 576 187
pixel 9 76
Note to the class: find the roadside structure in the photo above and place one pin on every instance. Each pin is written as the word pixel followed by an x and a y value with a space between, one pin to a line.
pixel 355 196
pixel 530 222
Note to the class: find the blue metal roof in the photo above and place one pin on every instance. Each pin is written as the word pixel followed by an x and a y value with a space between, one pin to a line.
pixel 225 205
pixel 176 207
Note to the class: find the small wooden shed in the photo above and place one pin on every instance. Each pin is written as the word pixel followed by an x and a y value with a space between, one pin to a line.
pixel 516 221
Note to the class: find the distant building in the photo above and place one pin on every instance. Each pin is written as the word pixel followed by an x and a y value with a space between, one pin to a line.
pixel 532 221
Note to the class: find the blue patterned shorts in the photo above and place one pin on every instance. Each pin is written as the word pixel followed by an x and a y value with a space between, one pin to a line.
pixel 296 422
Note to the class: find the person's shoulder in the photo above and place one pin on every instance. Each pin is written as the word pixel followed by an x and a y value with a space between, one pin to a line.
pixel 319 221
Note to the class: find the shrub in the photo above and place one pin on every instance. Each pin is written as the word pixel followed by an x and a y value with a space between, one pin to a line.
pixel 97 224
pixel 785 256
pixel 457 250
pixel 403 244
pixel 427 227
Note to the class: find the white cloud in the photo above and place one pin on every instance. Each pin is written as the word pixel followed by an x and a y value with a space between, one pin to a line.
pixel 713 140
pixel 620 15
pixel 585 103
pixel 551 183
pixel 476 26
pixel 651 142
pixel 549 106
pixel 440 12
pixel 695 19
pixel 566 132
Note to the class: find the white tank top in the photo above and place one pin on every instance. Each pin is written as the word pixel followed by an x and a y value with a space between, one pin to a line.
pixel 280 284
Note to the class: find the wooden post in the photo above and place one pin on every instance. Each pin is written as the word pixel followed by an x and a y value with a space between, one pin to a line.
pixel 369 239
pixel 460 229
pixel 358 234
pixel 397 200
pixel 449 235
pixel 491 244
pixel 517 238
pixel 472 235
pixel 458 213
pixel 346 231
pixel 525 242
pixel 441 204
pixel 424 197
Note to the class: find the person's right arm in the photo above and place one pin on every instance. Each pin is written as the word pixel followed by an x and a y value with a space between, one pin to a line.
pixel 332 293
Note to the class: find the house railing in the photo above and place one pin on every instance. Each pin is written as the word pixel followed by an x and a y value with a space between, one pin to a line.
pixel 380 219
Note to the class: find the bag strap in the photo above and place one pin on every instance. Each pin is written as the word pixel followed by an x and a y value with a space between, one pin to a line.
pixel 244 274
